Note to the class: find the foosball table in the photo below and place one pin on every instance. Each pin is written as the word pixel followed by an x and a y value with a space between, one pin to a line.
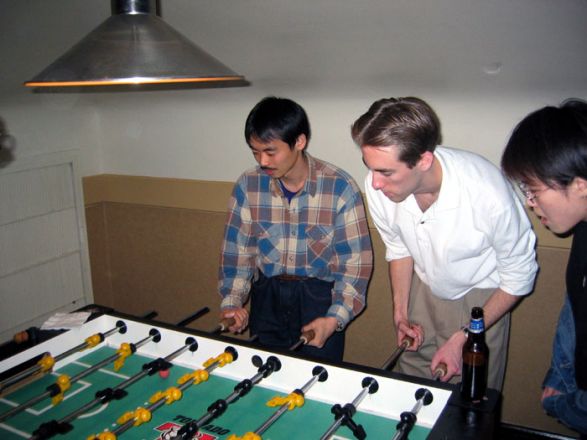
pixel 120 376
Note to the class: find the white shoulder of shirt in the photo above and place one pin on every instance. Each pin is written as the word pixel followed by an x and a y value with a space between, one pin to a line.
pixel 474 173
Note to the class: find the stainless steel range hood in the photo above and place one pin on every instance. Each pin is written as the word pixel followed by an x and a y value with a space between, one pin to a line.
pixel 134 46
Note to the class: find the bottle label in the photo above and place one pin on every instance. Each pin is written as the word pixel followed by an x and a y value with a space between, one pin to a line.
pixel 476 326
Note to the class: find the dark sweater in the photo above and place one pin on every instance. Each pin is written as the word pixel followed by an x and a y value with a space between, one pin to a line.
pixel 577 290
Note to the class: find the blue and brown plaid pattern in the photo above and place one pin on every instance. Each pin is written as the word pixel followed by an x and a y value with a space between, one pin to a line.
pixel 322 233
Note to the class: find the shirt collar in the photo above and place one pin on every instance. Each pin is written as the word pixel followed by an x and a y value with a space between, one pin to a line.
pixel 449 188
pixel 312 181
pixel 447 196
pixel 310 185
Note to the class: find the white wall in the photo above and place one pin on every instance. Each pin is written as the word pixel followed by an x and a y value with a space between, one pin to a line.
pixel 33 34
pixel 199 134
pixel 333 56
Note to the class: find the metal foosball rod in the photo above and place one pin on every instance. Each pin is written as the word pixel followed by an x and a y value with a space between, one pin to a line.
pixel 305 337
pixel 45 364
pixel 48 361
pixel 408 418
pixel 190 429
pixel 392 360
pixel 344 415
pixel 190 318
pixel 184 321
pixel 223 325
pixel 64 382
pixel 293 400
pixel 54 427
pixel 226 323
pixel 390 363
pixel 171 395
pixel 62 426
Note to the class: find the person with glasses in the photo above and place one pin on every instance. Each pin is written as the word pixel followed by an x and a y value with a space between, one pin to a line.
pixel 456 237
pixel 296 238
pixel 547 155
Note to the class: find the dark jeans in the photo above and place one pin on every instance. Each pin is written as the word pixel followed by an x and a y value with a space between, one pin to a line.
pixel 280 308
pixel 570 407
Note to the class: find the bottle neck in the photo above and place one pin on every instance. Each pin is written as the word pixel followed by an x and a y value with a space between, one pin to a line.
pixel 477 326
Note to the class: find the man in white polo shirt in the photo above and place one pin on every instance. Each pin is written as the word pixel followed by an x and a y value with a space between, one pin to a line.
pixel 456 237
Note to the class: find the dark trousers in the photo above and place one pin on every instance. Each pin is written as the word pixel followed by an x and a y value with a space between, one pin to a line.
pixel 280 308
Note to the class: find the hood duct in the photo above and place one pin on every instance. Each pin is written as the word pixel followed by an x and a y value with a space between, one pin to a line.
pixel 135 46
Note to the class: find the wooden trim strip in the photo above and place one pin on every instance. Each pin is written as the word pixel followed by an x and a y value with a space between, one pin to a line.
pixel 157 191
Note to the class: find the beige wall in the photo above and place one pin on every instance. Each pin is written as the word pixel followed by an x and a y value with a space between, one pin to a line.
pixel 154 245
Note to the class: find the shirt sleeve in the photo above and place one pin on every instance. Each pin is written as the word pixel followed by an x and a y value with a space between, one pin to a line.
pixel 237 258
pixel 352 262
pixel 514 242
pixel 394 246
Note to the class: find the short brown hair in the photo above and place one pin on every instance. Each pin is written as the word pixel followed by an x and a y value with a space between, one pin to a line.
pixel 408 123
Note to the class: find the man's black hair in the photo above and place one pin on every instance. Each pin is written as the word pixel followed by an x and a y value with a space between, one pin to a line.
pixel 550 145
pixel 277 119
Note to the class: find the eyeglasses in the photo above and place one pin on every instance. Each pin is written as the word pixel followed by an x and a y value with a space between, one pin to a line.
pixel 528 193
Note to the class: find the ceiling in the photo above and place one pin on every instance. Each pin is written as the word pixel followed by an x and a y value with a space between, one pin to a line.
pixel 451 44
pixel 437 43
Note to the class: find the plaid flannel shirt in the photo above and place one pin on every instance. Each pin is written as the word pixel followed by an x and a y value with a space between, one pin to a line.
pixel 322 233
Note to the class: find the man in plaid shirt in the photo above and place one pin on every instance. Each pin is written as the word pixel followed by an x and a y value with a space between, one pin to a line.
pixel 296 238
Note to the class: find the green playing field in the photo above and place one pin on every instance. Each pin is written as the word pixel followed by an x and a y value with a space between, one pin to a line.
pixel 246 414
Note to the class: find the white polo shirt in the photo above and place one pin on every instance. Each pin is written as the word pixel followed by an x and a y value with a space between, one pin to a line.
pixel 475 235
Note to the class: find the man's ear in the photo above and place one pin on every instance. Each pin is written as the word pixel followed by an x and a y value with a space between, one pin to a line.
pixel 580 185
pixel 426 160
pixel 301 142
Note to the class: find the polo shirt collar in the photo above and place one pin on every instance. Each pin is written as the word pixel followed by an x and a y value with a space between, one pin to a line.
pixel 447 196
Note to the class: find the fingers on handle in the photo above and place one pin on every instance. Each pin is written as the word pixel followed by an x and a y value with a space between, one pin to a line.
pixel 308 336
pixel 226 323
pixel 440 370
pixel 407 341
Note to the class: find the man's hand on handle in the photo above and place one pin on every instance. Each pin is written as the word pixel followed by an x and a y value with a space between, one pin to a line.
pixel 323 328
pixel 414 331
pixel 240 316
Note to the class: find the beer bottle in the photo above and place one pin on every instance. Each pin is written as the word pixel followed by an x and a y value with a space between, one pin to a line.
pixel 475 359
